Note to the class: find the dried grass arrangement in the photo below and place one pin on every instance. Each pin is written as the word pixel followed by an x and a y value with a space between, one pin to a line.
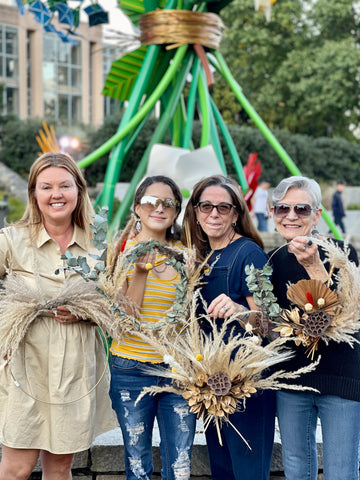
pixel 21 305
pixel 217 376
pixel 320 313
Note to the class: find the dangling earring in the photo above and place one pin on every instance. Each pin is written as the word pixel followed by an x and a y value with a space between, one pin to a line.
pixel 314 233
pixel 172 230
pixel 138 225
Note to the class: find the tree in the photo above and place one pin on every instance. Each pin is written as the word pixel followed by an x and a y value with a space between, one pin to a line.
pixel 300 71
pixel 19 147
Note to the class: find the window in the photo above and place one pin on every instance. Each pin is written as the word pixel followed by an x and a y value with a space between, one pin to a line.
pixel 110 54
pixel 9 71
pixel 62 78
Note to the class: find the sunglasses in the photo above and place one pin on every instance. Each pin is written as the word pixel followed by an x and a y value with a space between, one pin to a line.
pixel 302 210
pixel 222 208
pixel 154 202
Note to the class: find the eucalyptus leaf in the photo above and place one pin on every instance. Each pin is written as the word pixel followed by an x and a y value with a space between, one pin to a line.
pixel 100 267
pixel 72 262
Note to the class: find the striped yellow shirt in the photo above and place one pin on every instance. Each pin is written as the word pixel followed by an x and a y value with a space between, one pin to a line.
pixel 159 296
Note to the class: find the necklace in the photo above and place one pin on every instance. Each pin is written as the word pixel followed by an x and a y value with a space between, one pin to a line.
pixel 157 269
pixel 218 256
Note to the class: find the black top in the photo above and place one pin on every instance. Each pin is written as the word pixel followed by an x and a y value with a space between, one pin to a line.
pixel 338 372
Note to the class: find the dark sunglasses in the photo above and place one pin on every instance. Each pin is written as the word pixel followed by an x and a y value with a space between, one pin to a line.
pixel 222 208
pixel 154 202
pixel 302 210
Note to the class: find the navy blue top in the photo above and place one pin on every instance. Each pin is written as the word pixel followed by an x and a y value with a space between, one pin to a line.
pixel 227 272
pixel 337 205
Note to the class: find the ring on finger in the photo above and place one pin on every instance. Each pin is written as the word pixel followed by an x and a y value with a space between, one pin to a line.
pixel 225 308
pixel 304 248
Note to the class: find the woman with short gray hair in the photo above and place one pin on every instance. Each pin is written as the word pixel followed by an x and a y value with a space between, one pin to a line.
pixel 296 210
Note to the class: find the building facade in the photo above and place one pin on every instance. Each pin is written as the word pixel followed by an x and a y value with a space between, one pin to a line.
pixel 42 76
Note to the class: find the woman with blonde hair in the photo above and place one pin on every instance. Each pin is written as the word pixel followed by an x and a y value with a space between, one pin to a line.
pixel 48 407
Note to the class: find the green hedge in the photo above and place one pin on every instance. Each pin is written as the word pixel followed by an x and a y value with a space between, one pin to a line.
pixel 324 159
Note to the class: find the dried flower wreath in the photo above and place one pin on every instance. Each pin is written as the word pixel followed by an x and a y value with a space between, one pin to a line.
pixel 319 313
pixel 215 375
pixel 113 266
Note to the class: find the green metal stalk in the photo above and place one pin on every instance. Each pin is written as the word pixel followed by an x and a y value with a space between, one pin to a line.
pixel 205 131
pixel 231 147
pixel 191 103
pixel 214 136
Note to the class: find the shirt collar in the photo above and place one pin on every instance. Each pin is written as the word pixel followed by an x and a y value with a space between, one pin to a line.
pixel 78 237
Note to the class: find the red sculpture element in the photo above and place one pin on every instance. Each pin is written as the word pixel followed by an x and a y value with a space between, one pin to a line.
pixel 252 171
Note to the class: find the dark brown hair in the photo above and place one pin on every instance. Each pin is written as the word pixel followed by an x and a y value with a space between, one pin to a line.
pixel 244 225
pixel 140 192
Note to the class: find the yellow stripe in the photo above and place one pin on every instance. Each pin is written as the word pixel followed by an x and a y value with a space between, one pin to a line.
pixel 159 296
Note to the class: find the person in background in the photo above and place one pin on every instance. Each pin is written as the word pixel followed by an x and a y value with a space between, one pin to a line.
pixel 296 211
pixel 260 208
pixel 337 206
pixel 61 356
pixel 157 205
pixel 220 222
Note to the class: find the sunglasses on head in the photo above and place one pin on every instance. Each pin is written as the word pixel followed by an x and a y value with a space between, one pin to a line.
pixel 155 202
pixel 302 210
pixel 222 208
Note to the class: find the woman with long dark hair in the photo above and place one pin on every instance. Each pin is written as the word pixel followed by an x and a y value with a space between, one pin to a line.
pixel 157 205
pixel 220 224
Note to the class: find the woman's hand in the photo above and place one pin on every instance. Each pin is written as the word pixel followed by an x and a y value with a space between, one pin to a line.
pixel 145 263
pixel 305 251
pixel 223 307
pixel 63 315
pixel 307 254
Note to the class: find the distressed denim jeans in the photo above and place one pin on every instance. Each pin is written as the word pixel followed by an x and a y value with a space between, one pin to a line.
pixel 176 423
pixel 340 425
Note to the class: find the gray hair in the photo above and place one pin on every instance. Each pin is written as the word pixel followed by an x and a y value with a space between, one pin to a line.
pixel 302 183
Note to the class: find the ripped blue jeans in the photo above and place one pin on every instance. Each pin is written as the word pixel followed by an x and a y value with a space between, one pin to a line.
pixel 176 423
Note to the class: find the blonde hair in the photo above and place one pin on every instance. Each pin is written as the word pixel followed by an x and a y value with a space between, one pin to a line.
pixel 32 217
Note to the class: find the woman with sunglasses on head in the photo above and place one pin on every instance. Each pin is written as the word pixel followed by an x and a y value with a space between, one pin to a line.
pixel 220 223
pixel 157 205
pixel 296 210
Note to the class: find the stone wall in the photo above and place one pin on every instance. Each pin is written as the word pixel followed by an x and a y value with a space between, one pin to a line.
pixel 105 460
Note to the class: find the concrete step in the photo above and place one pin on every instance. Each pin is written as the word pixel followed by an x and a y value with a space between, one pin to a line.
pixel 105 459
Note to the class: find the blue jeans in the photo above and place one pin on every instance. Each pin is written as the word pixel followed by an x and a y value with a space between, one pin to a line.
pixel 234 460
pixel 262 222
pixel 340 420
pixel 176 423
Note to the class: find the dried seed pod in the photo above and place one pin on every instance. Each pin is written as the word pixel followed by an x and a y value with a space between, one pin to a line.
pixel 219 383
pixel 317 323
